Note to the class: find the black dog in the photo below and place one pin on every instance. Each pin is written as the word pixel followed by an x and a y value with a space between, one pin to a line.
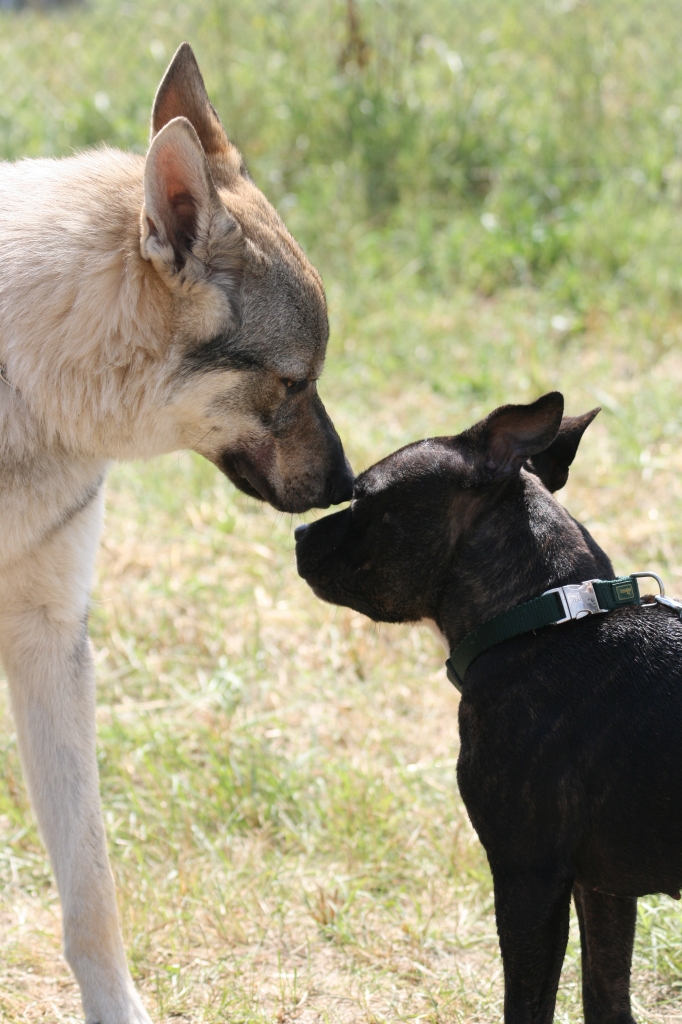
pixel 571 736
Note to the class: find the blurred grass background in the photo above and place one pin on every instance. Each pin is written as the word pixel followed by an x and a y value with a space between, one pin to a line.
pixel 492 192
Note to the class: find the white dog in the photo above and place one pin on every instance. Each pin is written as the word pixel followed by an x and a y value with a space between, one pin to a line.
pixel 146 305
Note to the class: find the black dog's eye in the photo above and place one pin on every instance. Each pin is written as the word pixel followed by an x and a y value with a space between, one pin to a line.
pixel 295 386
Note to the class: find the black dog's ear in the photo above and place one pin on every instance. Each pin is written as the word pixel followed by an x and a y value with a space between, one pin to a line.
pixel 551 465
pixel 510 435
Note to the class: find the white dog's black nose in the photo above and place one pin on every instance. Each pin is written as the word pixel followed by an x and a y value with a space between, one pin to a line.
pixel 340 485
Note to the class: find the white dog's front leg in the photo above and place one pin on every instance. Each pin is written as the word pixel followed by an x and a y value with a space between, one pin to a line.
pixel 48 658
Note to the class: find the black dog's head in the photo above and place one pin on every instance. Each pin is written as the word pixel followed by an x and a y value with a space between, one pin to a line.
pixel 390 553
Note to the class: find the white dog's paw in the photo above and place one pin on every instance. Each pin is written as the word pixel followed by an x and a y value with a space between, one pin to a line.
pixel 107 990
pixel 126 1009
pixel 138 1013
pixel 134 1015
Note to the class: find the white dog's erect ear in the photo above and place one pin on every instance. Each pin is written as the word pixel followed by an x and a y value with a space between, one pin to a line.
pixel 182 93
pixel 179 196
pixel 185 229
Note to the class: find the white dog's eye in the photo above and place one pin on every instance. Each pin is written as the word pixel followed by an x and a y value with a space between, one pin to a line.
pixel 294 386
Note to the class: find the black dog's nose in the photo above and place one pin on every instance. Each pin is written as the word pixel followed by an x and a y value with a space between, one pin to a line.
pixel 316 543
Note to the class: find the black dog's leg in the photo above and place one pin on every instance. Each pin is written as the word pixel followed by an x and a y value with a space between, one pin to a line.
pixel 607 934
pixel 532 911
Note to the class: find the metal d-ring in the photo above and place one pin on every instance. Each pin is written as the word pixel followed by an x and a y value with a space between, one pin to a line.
pixel 661 586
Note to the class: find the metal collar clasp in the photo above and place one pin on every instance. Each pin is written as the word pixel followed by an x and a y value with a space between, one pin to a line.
pixel 578 600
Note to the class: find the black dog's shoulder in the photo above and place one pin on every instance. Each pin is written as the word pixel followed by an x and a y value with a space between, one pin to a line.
pixel 635 650
pixel 571 737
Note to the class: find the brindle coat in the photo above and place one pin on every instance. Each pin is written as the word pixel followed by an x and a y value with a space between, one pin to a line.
pixel 570 763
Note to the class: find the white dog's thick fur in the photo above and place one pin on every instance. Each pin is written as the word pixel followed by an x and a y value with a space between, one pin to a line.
pixel 145 306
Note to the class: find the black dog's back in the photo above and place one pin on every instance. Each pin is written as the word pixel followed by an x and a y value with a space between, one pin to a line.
pixel 577 732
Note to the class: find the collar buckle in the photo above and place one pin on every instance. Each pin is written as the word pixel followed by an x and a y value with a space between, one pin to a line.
pixel 578 600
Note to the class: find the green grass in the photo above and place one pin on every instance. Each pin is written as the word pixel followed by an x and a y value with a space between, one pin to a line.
pixel 492 193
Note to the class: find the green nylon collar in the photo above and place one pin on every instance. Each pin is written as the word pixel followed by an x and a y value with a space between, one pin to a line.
pixel 574 601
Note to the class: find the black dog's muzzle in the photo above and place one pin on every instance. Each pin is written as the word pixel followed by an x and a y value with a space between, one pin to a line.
pixel 316 542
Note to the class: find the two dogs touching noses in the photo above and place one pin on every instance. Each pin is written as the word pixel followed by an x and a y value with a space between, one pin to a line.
pixel 159 303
